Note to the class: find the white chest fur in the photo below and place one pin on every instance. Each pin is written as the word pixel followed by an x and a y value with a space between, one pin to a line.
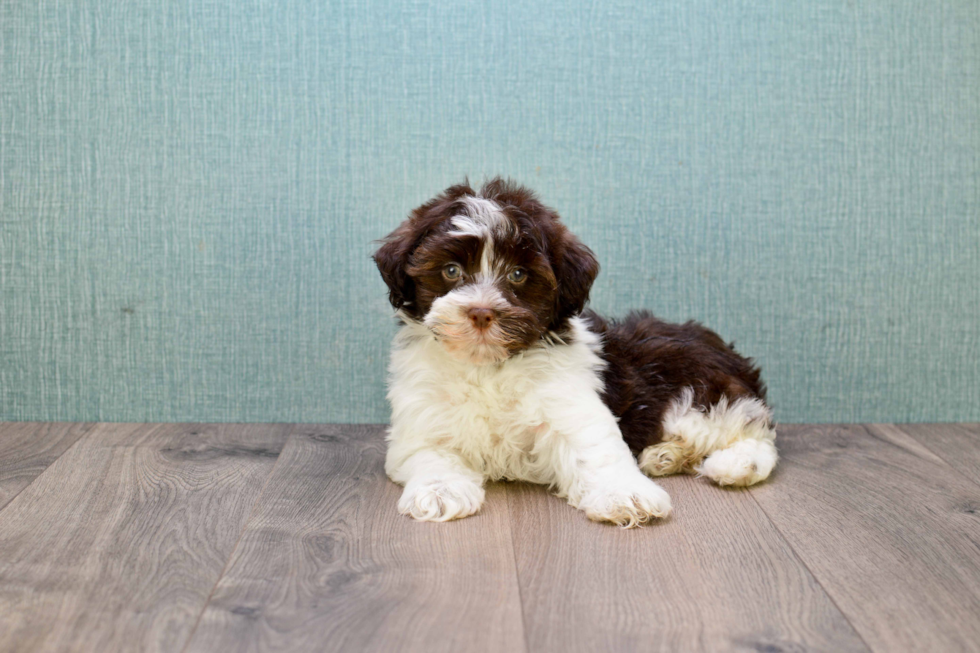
pixel 502 419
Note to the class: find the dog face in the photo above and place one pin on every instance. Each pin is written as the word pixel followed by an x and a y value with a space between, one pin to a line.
pixel 488 272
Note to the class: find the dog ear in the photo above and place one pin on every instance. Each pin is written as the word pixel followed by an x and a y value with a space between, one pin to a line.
pixel 576 270
pixel 394 256
pixel 392 259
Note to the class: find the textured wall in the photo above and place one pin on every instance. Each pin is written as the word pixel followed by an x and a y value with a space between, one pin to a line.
pixel 189 189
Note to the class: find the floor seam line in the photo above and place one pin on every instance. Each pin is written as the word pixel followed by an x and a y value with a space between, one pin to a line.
pixel 941 457
pixel 81 436
pixel 517 573
pixel 813 575
pixel 241 534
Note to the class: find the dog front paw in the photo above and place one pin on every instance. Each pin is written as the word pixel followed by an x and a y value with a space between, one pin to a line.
pixel 628 504
pixel 441 500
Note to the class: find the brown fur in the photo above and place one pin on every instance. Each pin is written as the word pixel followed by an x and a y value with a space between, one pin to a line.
pixel 650 361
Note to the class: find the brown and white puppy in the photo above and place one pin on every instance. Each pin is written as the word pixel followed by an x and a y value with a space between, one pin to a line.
pixel 497 372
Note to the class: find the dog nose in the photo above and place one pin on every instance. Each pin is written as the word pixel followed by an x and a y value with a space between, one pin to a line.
pixel 481 318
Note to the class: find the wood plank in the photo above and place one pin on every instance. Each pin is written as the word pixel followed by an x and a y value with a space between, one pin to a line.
pixel 327 563
pixel 118 544
pixel 957 444
pixel 714 577
pixel 890 531
pixel 28 448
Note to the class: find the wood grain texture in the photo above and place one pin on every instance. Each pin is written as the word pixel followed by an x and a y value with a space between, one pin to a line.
pixel 119 543
pixel 28 448
pixel 957 444
pixel 166 537
pixel 889 529
pixel 715 577
pixel 327 564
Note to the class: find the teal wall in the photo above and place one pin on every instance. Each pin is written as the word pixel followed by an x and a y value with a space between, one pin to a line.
pixel 189 189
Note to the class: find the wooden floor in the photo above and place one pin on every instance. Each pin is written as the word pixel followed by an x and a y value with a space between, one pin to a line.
pixel 125 537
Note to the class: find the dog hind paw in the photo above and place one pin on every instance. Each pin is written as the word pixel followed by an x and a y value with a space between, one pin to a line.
pixel 662 459
pixel 744 463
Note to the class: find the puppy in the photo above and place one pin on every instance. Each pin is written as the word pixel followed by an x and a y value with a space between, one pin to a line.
pixel 497 372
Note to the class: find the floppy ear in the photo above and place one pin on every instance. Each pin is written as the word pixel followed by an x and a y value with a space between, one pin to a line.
pixel 396 250
pixel 392 260
pixel 576 270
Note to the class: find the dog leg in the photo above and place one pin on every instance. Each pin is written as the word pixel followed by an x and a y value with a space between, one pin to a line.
pixel 439 486
pixel 597 473
pixel 731 442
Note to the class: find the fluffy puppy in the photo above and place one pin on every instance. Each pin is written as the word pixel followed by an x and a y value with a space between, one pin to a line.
pixel 497 372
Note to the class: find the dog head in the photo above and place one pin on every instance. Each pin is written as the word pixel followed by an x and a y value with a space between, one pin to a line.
pixel 488 272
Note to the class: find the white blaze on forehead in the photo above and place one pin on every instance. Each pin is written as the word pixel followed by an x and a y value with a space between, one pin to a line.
pixel 486 213
pixel 486 220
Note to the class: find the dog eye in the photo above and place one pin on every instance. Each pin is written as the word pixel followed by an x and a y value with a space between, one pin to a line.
pixel 452 272
pixel 517 275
